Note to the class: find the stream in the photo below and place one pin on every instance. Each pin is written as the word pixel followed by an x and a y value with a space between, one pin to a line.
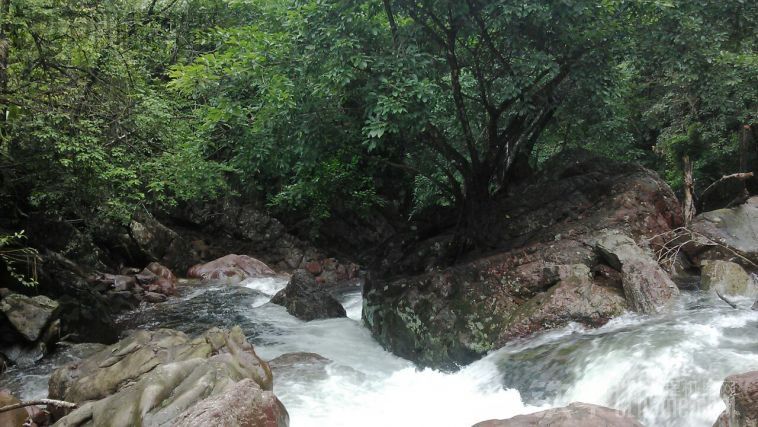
pixel 665 370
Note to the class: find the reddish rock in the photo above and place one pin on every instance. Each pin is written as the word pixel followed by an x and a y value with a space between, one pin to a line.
pixel 313 267
pixel 576 414
pixel 39 416
pixel 230 269
pixel 243 404
pixel 161 271
pixel 740 393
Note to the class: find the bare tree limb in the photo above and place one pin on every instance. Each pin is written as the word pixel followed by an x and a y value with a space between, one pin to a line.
pixel 46 402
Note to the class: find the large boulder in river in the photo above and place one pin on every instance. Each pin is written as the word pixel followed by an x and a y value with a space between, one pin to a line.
pixel 161 377
pixel 231 269
pixel 740 393
pixel 576 414
pixel 727 234
pixel 727 278
pixel 29 327
pixel 29 315
pixel 306 300
pixel 646 285
pixel 572 244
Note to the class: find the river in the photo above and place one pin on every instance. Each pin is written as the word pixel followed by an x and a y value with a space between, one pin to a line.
pixel 666 370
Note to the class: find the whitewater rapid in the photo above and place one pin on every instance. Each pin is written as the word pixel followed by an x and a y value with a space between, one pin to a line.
pixel 665 370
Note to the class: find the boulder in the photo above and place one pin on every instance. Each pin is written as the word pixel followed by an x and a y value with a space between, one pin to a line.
pixel 567 245
pixel 727 278
pixel 29 315
pixel 14 418
pixel 161 377
pixel 154 297
pixel 157 278
pixel 576 414
pixel 243 404
pixel 86 315
pixel 158 242
pixel 646 285
pixel 230 269
pixel 727 234
pixel 575 298
pixel 161 271
pixel 304 299
pixel 740 393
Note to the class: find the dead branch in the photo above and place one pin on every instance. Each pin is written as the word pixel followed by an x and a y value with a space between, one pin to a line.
pixel 678 238
pixel 742 176
pixel 46 402
pixel 726 300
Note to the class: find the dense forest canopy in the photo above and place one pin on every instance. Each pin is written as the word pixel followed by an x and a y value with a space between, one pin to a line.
pixel 311 106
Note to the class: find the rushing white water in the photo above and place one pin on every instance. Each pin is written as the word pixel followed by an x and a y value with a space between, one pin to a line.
pixel 666 370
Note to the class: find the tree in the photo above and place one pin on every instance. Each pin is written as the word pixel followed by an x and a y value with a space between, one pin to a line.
pixel 498 71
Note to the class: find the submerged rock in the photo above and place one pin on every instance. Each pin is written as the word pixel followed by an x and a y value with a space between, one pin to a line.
pixel 740 393
pixel 569 246
pixel 161 377
pixel 306 300
pixel 576 414
pixel 727 278
pixel 230 269
pixel 300 365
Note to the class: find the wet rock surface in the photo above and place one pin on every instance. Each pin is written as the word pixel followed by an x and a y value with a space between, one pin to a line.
pixel 306 300
pixel 727 234
pixel 740 393
pixel 727 278
pixel 646 285
pixel 576 414
pixel 230 269
pixel 29 315
pixel 154 378
pixel 444 316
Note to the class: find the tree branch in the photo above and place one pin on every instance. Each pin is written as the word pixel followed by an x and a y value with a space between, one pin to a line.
pixel 46 402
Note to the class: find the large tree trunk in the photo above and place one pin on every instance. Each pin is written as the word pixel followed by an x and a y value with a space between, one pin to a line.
pixel 476 225
pixel 689 190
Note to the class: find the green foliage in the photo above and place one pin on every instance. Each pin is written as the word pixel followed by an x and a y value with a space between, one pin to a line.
pixel 685 66
pixel 91 131
pixel 319 106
